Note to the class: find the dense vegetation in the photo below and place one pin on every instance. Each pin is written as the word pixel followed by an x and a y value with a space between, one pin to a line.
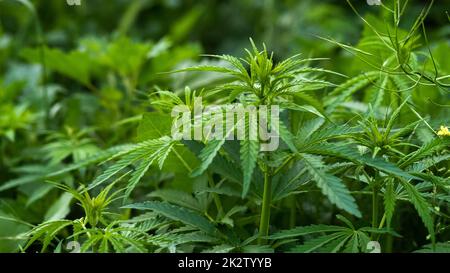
pixel 89 162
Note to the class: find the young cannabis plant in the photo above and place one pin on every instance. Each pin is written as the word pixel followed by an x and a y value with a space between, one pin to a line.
pixel 255 80
pixel 259 81
pixel 372 155
pixel 97 230
pixel 94 207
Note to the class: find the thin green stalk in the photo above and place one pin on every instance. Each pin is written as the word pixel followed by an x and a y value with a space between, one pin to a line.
pixel 215 197
pixel 380 226
pixel 277 170
pixel 383 220
pixel 389 243
pixel 265 210
pixel 188 168
pixel 374 209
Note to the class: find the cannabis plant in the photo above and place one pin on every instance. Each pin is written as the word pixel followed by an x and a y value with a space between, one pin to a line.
pixel 160 151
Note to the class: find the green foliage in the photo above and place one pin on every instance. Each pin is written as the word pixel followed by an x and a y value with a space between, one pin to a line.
pixel 177 214
pixel 87 153
pixel 337 238
pixel 249 155
pixel 330 185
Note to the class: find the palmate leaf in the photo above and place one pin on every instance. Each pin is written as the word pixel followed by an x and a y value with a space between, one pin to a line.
pixel 331 186
pixel 349 152
pixel 156 125
pixel 335 239
pixel 159 155
pixel 147 151
pixel 47 231
pixel 353 244
pixel 319 242
pixel 142 168
pixel 427 162
pixel 338 244
pixel 307 128
pixel 212 147
pixel 421 205
pixel 426 150
pixel 119 238
pixel 177 213
pixel 434 181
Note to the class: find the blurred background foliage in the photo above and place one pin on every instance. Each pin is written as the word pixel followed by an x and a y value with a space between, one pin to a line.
pixel 75 79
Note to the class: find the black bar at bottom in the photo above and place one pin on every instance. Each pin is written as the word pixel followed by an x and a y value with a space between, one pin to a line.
pixel 232 262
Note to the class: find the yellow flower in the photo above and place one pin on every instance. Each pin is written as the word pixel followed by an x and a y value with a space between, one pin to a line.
pixel 443 131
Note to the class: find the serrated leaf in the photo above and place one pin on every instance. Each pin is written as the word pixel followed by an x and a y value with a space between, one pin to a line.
pixel 146 151
pixel 389 201
pixel 207 155
pixel 301 231
pixel 249 154
pixel 317 243
pixel 302 108
pixel 177 213
pixel 98 157
pixel 47 231
pixel 331 186
pixel 345 90
pixel 421 205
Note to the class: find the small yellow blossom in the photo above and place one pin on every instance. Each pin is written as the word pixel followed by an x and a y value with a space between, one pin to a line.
pixel 443 131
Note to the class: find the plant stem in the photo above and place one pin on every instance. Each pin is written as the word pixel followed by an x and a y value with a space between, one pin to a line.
pixel 188 168
pixel 389 243
pixel 374 208
pixel 277 170
pixel 215 197
pixel 265 210
pixel 383 220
